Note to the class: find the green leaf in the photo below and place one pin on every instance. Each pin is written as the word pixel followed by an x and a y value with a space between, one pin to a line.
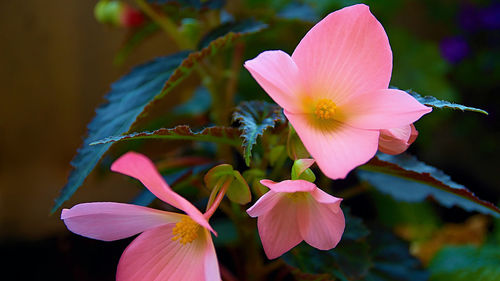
pixel 465 263
pixel 407 179
pixel 436 103
pixel 238 190
pixel 226 135
pixel 299 11
pixel 255 117
pixel 231 28
pixel 127 99
pixel 392 260
pixel 130 100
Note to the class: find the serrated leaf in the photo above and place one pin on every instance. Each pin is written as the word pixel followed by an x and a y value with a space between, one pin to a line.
pixel 255 117
pixel 436 103
pixel 242 27
pixel 129 101
pixel 226 135
pixel 407 179
pixel 464 263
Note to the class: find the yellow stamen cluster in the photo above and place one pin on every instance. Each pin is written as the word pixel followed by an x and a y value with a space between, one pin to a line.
pixel 185 231
pixel 296 196
pixel 325 109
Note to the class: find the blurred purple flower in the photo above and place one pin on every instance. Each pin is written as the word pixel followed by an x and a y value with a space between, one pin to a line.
pixel 454 49
pixel 489 17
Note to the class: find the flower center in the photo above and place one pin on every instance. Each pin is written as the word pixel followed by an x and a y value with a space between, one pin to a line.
pixel 296 196
pixel 325 109
pixel 185 231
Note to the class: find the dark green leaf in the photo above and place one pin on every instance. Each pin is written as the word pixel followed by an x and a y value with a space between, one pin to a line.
pixel 435 103
pixel 198 104
pixel 127 99
pixel 299 11
pixel 255 117
pixel 231 28
pixel 407 179
pixel 130 100
pixel 226 135
pixel 466 263
pixel 392 260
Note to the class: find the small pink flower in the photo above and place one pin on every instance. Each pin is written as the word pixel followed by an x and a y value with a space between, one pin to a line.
pixel 334 89
pixel 172 246
pixel 397 140
pixel 296 210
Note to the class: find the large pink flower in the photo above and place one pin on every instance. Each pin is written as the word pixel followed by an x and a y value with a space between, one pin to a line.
pixel 296 210
pixel 172 246
pixel 334 89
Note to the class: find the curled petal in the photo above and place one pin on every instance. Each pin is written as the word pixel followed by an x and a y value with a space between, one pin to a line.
pixel 278 75
pixel 382 109
pixel 344 55
pixel 319 225
pixel 153 255
pixel 337 150
pixel 289 185
pixel 109 221
pixel 326 199
pixel 397 140
pixel 140 167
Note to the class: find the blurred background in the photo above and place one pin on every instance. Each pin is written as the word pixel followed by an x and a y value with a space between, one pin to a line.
pixel 57 62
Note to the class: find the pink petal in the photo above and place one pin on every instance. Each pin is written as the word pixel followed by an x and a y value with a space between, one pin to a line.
pixel 289 185
pixel 338 150
pixel 345 54
pixel 382 109
pixel 397 140
pixel 319 225
pixel 155 256
pixel 140 167
pixel 278 75
pixel 109 221
pixel 324 198
pixel 278 228
pixel 265 203
pixel 212 272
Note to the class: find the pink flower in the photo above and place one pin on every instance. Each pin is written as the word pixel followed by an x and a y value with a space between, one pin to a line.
pixel 397 140
pixel 172 246
pixel 334 89
pixel 296 210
